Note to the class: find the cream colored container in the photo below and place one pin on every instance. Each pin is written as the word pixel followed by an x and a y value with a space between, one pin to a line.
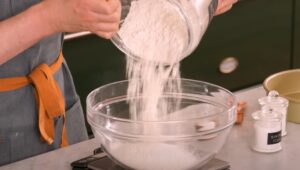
pixel 287 83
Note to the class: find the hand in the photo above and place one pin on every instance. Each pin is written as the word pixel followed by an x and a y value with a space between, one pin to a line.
pixel 224 6
pixel 101 17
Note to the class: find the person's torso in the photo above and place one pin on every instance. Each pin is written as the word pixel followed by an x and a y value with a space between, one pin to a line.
pixel 45 51
pixel 19 134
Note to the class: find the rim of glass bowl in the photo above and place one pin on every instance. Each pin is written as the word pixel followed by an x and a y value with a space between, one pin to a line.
pixel 118 42
pixel 90 109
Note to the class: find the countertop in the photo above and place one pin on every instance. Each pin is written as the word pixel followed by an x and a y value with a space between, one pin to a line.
pixel 236 151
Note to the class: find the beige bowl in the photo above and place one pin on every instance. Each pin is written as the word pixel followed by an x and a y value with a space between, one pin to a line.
pixel 287 83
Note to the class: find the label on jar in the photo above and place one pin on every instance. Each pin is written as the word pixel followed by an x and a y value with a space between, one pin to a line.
pixel 274 137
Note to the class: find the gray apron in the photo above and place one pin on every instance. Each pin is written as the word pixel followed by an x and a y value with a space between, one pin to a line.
pixel 19 134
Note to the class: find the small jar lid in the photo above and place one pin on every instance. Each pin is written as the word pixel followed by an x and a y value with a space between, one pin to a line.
pixel 267 113
pixel 273 99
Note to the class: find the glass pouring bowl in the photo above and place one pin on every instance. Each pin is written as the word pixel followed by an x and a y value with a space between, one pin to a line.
pixel 185 139
pixel 193 17
pixel 125 47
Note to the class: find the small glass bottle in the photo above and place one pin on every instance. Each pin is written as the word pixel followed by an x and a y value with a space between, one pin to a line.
pixel 277 103
pixel 267 130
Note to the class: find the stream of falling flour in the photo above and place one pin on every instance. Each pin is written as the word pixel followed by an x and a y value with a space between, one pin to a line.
pixel 155 37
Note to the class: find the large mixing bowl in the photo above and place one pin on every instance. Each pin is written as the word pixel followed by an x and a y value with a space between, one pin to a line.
pixel 182 140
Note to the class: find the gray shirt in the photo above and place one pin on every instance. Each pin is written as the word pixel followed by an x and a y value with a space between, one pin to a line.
pixel 19 134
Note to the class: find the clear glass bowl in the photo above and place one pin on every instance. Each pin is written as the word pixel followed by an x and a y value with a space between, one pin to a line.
pixel 185 139
pixel 195 14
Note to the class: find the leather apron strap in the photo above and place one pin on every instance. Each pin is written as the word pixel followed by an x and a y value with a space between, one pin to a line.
pixel 49 97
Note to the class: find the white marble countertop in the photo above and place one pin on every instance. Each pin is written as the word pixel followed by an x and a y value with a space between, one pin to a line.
pixel 236 151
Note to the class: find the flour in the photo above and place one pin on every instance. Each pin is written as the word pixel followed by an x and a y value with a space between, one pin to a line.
pixel 173 33
pixel 149 156
pixel 156 32
pixel 156 37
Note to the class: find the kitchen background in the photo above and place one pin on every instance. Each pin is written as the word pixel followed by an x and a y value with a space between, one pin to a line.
pixel 240 48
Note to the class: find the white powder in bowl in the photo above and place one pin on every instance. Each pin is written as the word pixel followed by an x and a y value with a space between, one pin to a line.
pixel 159 156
